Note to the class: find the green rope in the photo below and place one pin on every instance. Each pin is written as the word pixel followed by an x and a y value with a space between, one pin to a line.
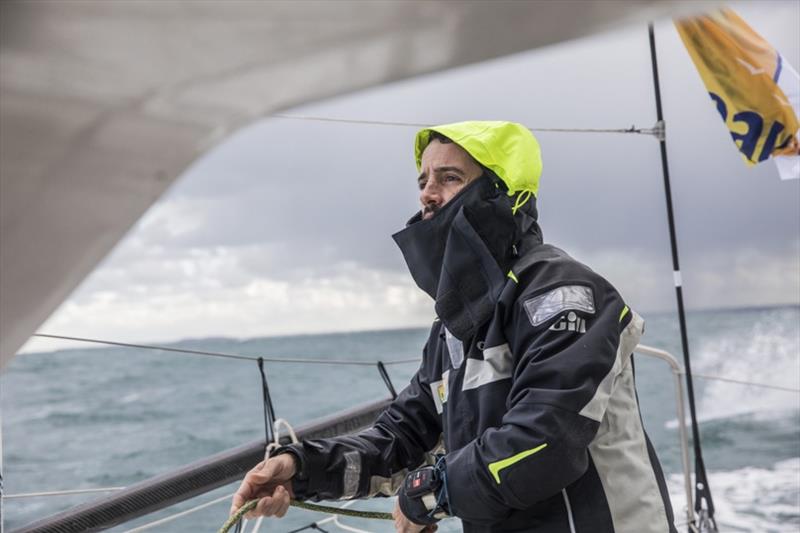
pixel 235 517
pixel 249 506
pixel 377 515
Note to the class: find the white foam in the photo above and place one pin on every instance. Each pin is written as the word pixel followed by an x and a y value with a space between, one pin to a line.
pixel 750 499
pixel 761 348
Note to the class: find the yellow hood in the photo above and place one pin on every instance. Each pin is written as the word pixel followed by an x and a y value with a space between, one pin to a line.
pixel 506 148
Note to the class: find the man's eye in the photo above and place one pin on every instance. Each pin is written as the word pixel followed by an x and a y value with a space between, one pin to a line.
pixel 452 177
pixel 422 184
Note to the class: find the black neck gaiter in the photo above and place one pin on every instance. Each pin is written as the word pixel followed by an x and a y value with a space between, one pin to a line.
pixel 461 255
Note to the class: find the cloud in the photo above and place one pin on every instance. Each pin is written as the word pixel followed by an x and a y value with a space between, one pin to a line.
pixel 200 293
pixel 748 275
pixel 740 277
pixel 165 294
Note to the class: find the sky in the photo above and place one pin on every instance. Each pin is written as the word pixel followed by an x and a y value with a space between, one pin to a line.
pixel 285 227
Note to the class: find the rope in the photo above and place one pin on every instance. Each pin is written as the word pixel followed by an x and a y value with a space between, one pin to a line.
pixel 353 362
pixel 386 379
pixel 289 429
pixel 269 410
pixel 633 129
pixel 316 525
pixel 272 430
pixel 249 506
pixel 686 523
pixel 522 198
pixel 59 492
pixel 377 515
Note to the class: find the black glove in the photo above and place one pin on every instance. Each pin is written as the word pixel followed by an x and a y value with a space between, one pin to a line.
pixel 423 495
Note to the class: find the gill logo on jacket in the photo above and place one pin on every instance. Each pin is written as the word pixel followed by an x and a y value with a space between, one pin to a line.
pixel 569 322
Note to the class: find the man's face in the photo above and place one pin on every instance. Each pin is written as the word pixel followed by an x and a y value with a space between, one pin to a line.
pixel 446 169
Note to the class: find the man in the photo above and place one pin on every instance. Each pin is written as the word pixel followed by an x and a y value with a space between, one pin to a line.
pixel 526 385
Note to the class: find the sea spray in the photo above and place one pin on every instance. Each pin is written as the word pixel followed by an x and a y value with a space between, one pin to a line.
pixel 750 499
pixel 758 347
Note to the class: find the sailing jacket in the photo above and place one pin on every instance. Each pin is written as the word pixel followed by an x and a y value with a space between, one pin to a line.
pixel 526 385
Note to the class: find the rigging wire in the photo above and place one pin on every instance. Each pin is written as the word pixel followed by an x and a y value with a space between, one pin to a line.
pixel 352 362
pixel 348 528
pixel 743 382
pixel 312 525
pixel 170 518
pixel 655 131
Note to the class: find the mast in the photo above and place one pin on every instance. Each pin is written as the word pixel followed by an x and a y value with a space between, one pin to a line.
pixel 704 513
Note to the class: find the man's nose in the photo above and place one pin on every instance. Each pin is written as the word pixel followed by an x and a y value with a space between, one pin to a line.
pixel 431 194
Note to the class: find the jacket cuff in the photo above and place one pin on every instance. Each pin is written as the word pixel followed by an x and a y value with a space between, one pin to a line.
pixel 300 478
pixel 471 496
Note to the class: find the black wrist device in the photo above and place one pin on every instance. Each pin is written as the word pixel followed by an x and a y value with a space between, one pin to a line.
pixel 421 495
pixel 421 481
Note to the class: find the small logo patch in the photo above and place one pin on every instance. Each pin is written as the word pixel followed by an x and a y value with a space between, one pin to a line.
pixel 545 306
pixel 570 322
pixel 441 392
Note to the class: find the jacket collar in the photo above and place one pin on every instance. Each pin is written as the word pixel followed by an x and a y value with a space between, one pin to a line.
pixel 460 257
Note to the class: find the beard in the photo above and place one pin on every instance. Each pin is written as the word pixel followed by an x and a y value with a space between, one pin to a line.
pixel 429 210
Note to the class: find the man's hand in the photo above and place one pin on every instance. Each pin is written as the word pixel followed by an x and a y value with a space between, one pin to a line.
pixel 270 481
pixel 404 525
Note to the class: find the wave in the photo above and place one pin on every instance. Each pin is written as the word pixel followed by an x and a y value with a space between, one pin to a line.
pixel 750 499
pixel 760 347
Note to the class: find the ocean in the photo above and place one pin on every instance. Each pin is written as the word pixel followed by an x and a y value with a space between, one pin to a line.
pixel 105 417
